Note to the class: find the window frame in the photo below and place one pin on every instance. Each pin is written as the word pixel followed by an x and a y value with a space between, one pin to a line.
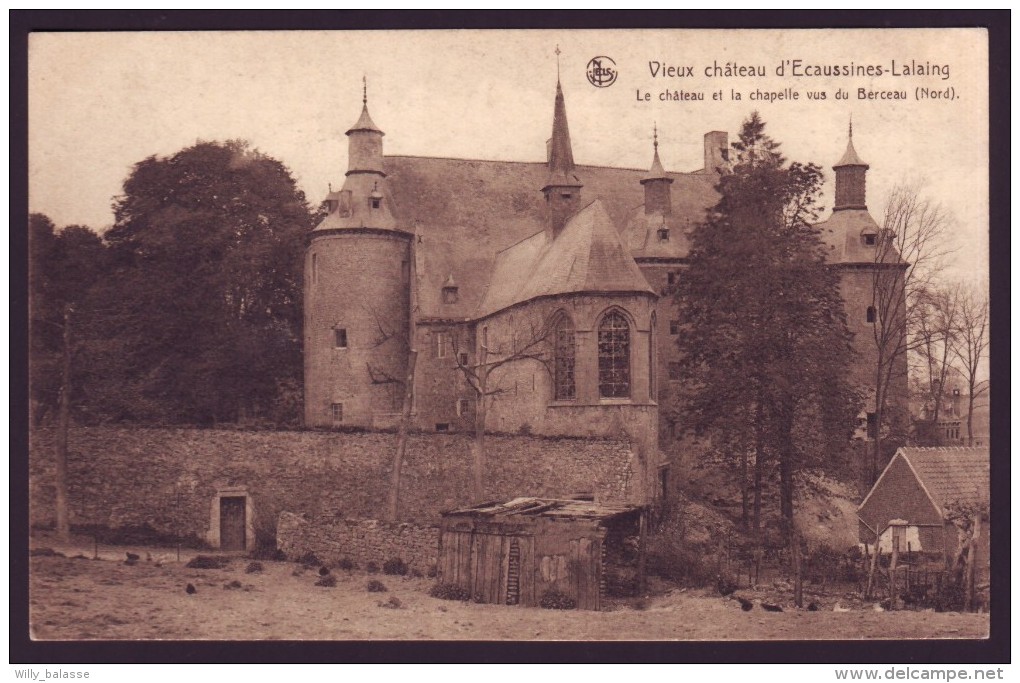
pixel 564 365
pixel 337 332
pixel 614 353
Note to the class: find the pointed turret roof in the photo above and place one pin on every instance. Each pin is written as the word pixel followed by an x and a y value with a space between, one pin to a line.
pixel 561 156
pixel 656 172
pixel 850 157
pixel 365 122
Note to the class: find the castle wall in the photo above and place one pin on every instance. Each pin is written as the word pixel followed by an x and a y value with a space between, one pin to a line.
pixel 168 478
pixel 356 281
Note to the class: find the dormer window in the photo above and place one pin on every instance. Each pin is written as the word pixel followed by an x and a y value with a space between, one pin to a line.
pixel 870 239
pixel 375 202
pixel 663 234
pixel 450 290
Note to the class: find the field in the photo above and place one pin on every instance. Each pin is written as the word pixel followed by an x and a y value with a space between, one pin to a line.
pixel 80 598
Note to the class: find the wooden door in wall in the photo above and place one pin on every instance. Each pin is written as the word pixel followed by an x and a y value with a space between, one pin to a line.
pixel 232 523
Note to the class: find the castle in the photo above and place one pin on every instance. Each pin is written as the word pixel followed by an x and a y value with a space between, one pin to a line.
pixel 539 286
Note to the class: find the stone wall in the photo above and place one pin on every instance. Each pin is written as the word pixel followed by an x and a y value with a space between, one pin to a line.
pixel 168 478
pixel 361 541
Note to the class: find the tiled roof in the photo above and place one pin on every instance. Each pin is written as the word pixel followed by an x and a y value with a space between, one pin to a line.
pixel 951 474
pixel 544 507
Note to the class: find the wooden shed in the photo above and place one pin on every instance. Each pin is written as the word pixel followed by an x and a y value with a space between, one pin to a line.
pixel 513 553
pixel 915 490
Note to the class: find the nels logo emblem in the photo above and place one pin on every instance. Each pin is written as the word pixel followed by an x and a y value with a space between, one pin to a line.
pixel 601 72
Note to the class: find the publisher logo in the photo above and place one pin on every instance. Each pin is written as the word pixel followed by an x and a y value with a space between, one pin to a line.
pixel 601 72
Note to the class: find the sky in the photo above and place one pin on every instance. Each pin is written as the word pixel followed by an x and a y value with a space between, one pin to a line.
pixel 101 102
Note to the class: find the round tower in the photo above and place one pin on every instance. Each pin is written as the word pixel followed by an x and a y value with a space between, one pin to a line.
pixel 356 296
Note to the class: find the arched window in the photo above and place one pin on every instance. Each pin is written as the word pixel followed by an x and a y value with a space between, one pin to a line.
pixel 614 356
pixel 563 364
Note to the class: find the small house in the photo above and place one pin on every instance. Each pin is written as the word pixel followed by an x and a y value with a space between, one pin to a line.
pixel 516 552
pixel 912 501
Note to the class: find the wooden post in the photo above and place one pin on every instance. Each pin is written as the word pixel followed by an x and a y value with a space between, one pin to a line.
pixel 972 552
pixel 63 426
pixel 874 566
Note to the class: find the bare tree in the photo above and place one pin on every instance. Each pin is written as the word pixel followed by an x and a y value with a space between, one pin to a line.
pixel 934 340
pixel 909 255
pixel 971 348
pixel 481 377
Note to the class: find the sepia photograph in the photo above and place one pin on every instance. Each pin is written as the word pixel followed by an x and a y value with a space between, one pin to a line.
pixel 509 335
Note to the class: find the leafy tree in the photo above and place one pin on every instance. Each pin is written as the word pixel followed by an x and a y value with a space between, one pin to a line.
pixel 765 347
pixel 63 269
pixel 203 304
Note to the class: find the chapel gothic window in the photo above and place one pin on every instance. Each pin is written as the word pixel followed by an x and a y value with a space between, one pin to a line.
pixel 564 360
pixel 614 357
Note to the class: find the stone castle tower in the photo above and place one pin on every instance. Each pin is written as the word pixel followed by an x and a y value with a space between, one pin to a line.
pixel 357 275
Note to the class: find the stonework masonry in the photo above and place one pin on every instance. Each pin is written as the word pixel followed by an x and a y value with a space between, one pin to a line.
pixel 167 478
pixel 361 541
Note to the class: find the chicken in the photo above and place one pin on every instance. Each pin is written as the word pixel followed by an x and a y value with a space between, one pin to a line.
pixel 323 571
pixel 812 607
pixel 769 607
pixel 190 589
pixel 725 585
pixel 745 604
pixel 133 557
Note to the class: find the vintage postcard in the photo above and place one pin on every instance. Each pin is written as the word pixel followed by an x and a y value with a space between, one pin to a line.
pixel 526 335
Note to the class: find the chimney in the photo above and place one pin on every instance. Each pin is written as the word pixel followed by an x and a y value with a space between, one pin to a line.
pixel 717 151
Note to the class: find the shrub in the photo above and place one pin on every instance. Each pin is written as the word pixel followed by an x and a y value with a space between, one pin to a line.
pixel 394 567
pixel 327 581
pixel 233 585
pixel 433 571
pixel 372 568
pixel 393 603
pixel 553 599
pixel 309 559
pixel 208 562
pixel 268 553
pixel 346 563
pixel 446 591
pixel 253 568
pixel 375 586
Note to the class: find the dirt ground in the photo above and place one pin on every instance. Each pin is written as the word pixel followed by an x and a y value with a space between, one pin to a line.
pixel 80 598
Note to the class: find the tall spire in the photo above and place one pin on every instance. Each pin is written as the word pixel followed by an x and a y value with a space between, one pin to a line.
pixel 562 188
pixel 561 155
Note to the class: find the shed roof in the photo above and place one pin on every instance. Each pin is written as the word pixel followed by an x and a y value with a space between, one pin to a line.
pixel 546 508
pixel 949 474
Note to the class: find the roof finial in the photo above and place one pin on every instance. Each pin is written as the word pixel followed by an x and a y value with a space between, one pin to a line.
pixel 655 135
pixel 557 62
pixel 364 89
pixel 851 126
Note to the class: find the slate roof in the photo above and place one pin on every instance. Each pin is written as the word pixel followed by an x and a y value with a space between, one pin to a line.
pixel 951 474
pixel 467 211
pixel 587 256
pixel 850 157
